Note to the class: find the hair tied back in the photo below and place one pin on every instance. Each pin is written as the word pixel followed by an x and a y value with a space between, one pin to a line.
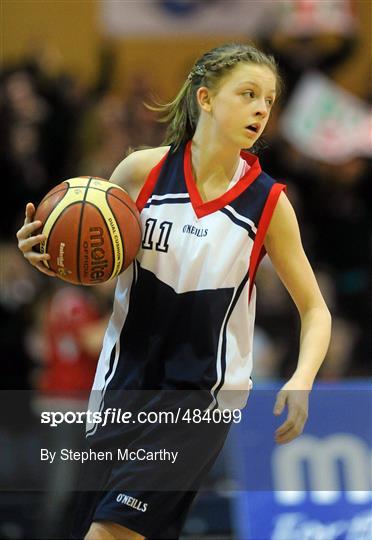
pixel 199 71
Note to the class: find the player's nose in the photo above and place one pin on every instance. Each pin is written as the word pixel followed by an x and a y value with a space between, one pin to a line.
pixel 262 109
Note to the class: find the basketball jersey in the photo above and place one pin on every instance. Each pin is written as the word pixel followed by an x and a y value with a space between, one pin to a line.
pixel 184 311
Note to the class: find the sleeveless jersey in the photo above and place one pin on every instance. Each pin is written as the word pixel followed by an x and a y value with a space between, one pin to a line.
pixel 184 311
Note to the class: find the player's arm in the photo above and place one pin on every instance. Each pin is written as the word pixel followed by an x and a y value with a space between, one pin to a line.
pixel 132 172
pixel 284 247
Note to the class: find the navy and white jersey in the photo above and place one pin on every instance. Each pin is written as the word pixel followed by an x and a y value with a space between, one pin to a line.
pixel 184 311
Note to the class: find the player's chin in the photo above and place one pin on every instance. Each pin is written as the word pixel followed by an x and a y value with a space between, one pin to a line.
pixel 248 141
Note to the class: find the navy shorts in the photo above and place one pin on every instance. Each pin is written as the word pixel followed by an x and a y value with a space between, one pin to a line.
pixel 149 496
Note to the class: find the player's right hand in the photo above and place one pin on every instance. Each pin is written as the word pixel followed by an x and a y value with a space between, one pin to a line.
pixel 26 242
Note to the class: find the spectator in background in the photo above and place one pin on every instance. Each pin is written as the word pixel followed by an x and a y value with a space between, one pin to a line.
pixel 18 291
pixel 24 114
pixel 36 93
pixel 103 136
pixel 109 124
pixel 311 35
pixel 71 327
pixel 41 107
pixel 330 199
pixel 18 425
pixel 53 127
pixel 141 121
pixel 69 363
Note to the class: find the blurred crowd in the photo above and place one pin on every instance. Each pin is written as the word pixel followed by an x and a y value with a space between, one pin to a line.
pixel 54 127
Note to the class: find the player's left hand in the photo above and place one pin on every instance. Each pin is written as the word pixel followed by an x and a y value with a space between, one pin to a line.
pixel 295 396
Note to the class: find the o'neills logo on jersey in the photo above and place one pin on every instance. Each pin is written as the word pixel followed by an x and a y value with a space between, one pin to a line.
pixel 132 502
pixel 190 229
pixel 94 255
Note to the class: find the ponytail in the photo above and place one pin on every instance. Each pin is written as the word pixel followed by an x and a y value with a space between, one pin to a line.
pixel 181 115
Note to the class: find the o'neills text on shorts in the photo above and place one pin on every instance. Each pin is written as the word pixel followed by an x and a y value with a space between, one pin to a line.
pixel 121 454
pixel 132 502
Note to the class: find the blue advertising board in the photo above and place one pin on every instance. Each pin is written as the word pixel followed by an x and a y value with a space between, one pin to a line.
pixel 319 486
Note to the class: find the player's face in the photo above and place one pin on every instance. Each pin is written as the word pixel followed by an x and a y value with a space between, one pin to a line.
pixel 241 106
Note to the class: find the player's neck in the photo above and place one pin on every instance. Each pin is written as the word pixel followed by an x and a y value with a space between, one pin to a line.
pixel 212 158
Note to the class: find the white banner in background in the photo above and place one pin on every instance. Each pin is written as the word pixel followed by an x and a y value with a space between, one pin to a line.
pixel 310 17
pixel 325 122
pixel 182 17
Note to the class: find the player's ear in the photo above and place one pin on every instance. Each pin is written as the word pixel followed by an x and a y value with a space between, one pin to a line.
pixel 204 98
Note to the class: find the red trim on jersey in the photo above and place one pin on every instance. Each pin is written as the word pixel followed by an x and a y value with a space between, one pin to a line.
pixel 202 208
pixel 258 251
pixel 149 185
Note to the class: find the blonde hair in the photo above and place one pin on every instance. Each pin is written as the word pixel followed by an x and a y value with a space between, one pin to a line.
pixel 182 113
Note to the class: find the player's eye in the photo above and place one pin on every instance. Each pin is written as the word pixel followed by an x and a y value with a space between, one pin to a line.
pixel 249 93
pixel 270 102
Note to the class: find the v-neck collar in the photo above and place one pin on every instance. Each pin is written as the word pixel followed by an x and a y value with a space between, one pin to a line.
pixel 202 208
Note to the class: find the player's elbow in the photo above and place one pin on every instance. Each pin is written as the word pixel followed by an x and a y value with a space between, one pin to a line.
pixel 318 311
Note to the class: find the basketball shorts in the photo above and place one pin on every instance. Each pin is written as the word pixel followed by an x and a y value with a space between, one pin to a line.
pixel 143 488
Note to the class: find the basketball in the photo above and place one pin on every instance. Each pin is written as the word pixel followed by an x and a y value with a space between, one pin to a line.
pixel 93 230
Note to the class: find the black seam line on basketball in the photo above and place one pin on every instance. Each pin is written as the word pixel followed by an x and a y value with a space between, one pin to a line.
pixel 54 193
pixel 79 229
pixel 224 338
pixel 107 191
pixel 62 189
pixel 55 223
pixel 129 208
pixel 121 236
pixel 109 235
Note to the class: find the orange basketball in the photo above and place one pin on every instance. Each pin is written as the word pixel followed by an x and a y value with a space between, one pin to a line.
pixel 93 230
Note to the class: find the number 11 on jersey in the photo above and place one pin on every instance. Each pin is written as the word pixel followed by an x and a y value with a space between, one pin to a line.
pixel 151 229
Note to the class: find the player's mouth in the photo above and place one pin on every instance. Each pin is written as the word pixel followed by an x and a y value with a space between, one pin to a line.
pixel 253 128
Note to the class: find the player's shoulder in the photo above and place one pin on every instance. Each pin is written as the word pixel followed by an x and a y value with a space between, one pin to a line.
pixel 147 155
pixel 132 172
pixel 145 160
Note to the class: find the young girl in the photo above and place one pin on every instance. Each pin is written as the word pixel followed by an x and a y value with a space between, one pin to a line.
pixel 184 311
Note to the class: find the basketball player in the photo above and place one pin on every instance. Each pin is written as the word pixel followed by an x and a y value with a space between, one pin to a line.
pixel 184 310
